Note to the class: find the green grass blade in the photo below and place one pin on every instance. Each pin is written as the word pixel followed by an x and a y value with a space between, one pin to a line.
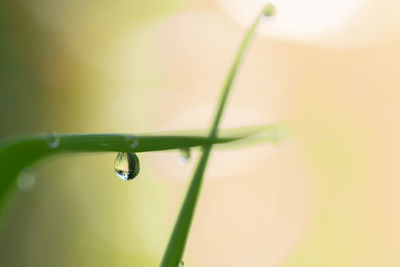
pixel 177 242
pixel 19 153
pixel 232 74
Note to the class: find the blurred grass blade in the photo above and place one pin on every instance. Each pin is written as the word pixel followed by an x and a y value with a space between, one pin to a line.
pixel 177 242
pixel 17 154
pixel 244 131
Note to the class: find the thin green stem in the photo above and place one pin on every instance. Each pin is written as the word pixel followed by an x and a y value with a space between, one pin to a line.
pixel 177 242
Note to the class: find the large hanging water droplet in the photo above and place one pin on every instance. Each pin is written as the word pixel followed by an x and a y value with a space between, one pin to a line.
pixel 126 165
pixel 184 155
pixel 53 141
pixel 26 180
pixel 181 263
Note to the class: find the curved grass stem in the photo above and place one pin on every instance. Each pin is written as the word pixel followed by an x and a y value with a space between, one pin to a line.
pixel 177 241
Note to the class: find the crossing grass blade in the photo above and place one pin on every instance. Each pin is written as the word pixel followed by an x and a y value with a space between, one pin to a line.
pixel 177 241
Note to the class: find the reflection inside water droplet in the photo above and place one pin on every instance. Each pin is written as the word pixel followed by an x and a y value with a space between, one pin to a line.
pixel 126 165
pixel 184 155
pixel 53 140
pixel 26 180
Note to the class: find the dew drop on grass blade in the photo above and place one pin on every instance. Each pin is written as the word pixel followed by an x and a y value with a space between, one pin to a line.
pixel 126 165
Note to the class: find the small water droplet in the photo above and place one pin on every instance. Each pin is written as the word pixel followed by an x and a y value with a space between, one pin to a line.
pixel 269 10
pixel 132 141
pixel 126 165
pixel 53 140
pixel 184 155
pixel 181 263
pixel 26 180
pixel 277 135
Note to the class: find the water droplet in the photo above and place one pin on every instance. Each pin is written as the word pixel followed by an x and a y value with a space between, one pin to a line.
pixel 277 135
pixel 132 141
pixel 53 140
pixel 26 180
pixel 269 10
pixel 181 263
pixel 184 155
pixel 126 165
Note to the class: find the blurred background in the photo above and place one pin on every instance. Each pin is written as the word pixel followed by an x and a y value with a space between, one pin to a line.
pixel 326 197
